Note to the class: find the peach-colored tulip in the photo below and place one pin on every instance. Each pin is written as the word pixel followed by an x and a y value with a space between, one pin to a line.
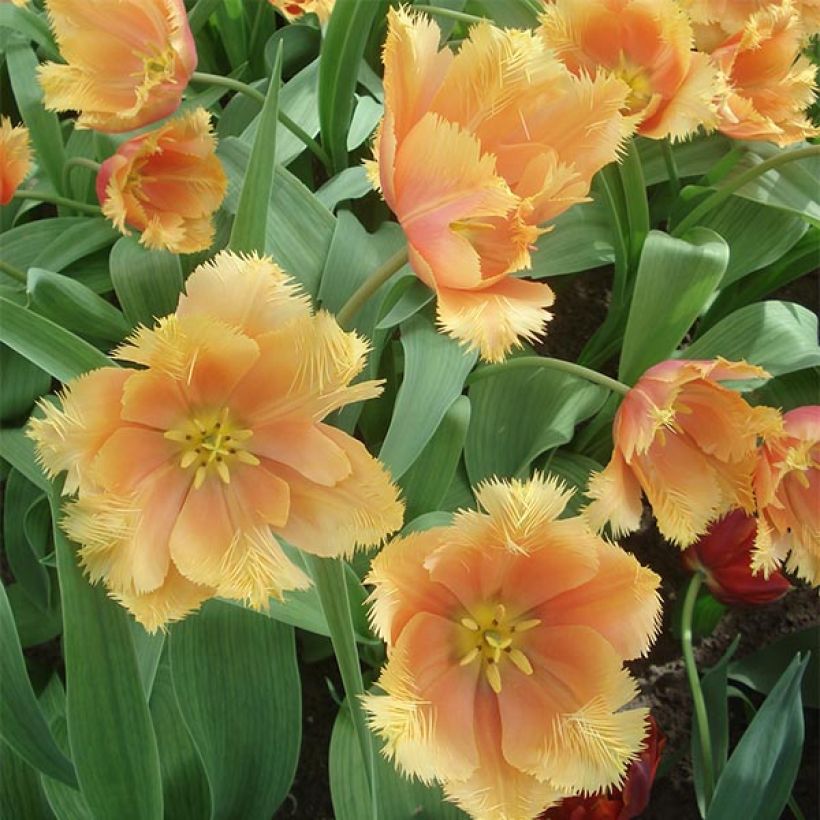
pixel 293 9
pixel 128 62
pixel 190 470
pixel 15 158
pixel 476 150
pixel 648 44
pixel 506 635
pixel 768 84
pixel 787 486
pixel 166 183
pixel 689 443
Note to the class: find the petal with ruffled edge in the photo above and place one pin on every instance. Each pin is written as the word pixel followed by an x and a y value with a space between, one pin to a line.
pixel 615 498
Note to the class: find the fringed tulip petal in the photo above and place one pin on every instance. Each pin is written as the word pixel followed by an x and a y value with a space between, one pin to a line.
pixel 616 497
pixel 15 158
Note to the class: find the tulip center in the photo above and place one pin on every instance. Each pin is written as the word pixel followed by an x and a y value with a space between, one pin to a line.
pixel 158 67
pixel 637 79
pixel 210 444
pixel 491 638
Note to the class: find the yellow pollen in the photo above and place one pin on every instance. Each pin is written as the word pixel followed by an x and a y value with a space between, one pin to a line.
pixel 211 443
pixel 491 638
pixel 800 457
pixel 637 79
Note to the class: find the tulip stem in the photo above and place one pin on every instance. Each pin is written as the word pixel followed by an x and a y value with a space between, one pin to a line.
pixel 258 96
pixel 671 165
pixel 733 185
pixel 451 13
pixel 14 273
pixel 373 282
pixel 78 162
pixel 54 199
pixel 701 715
pixel 551 364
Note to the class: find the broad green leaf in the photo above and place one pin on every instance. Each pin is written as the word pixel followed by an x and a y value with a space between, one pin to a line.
pixel 413 295
pixel 692 157
pixel 22 245
pixel 438 518
pixel 74 306
pixel 233 30
pixel 23 383
pixel 22 723
pixel 33 625
pixel 109 726
pixel 762 668
pixel 344 42
pixel 235 677
pixel 366 117
pixel 790 390
pixel 148 649
pixel 21 795
pixel 18 449
pixel 300 46
pixel 435 367
pixel 201 11
pixel 675 279
pixel 506 13
pixel 781 337
pixel 299 608
pixel 520 414
pixel 352 183
pixel 425 483
pixel 574 470
pixel 400 797
pixel 147 282
pixel 85 237
pixel 759 776
pixel 249 225
pixel 32 25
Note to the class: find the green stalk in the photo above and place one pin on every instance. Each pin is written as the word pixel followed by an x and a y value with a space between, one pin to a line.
pixel 637 207
pixel 694 686
pixel 53 199
pixel 249 91
pixel 14 273
pixel 551 364
pixel 329 578
pixel 357 301
pixel 78 162
pixel 671 164
pixel 461 16
pixel 721 195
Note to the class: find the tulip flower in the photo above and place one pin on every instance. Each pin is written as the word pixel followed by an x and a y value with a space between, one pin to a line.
pixel 166 183
pixel 622 803
pixel 475 151
pixel 768 84
pixel 787 486
pixel 648 44
pixel 724 556
pixel 190 471
pixel 687 442
pixel 15 158
pixel 293 9
pixel 127 64
pixel 506 635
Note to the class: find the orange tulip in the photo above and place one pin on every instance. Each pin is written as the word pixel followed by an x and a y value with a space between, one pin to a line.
pixel 190 470
pixel 506 635
pixel 787 486
pixel 293 9
pixel 127 63
pixel 166 183
pixel 648 44
pixel 768 83
pixel 476 150
pixel 15 158
pixel 689 443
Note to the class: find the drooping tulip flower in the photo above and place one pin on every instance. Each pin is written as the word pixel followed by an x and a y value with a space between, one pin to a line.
pixel 648 44
pixel 127 63
pixel 724 556
pixel 293 9
pixel 787 486
pixel 190 470
pixel 166 183
pixel 506 635
pixel 15 158
pixel 477 150
pixel 767 83
pixel 687 442
pixel 625 802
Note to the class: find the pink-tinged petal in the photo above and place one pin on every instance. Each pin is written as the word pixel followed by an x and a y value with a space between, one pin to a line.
pixel 261 494
pixel 155 400
pixel 616 498
pixel 803 422
pixel 129 456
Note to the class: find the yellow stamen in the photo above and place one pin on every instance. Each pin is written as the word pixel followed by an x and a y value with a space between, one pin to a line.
pixel 494 677
pixel 520 660
pixel 470 624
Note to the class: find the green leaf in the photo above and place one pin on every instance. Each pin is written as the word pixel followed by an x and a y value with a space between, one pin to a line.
pixel 249 227
pixel 435 367
pixel 675 279
pixel 759 776
pixel 425 483
pixel 74 306
pixel 21 795
pixel 109 726
pixel 147 282
pixel 792 390
pixel 49 346
pixel 693 157
pixel 410 295
pixel 352 183
pixel 781 337
pixel 344 42
pixel 33 625
pixel 22 723
pixel 574 469
pixel 761 670
pixel 23 384
pixel 26 22
pixel 18 449
pixel 518 415
pixel 237 686
pixel 81 239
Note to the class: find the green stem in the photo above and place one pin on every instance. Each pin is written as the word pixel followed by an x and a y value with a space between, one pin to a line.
pixel 44 196
pixel 551 364
pixel 694 686
pixel 637 207
pixel 78 162
pixel 671 165
pixel 357 301
pixel 14 273
pixel 256 95
pixel 329 579
pixel 451 13
pixel 733 185
pixel 795 809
